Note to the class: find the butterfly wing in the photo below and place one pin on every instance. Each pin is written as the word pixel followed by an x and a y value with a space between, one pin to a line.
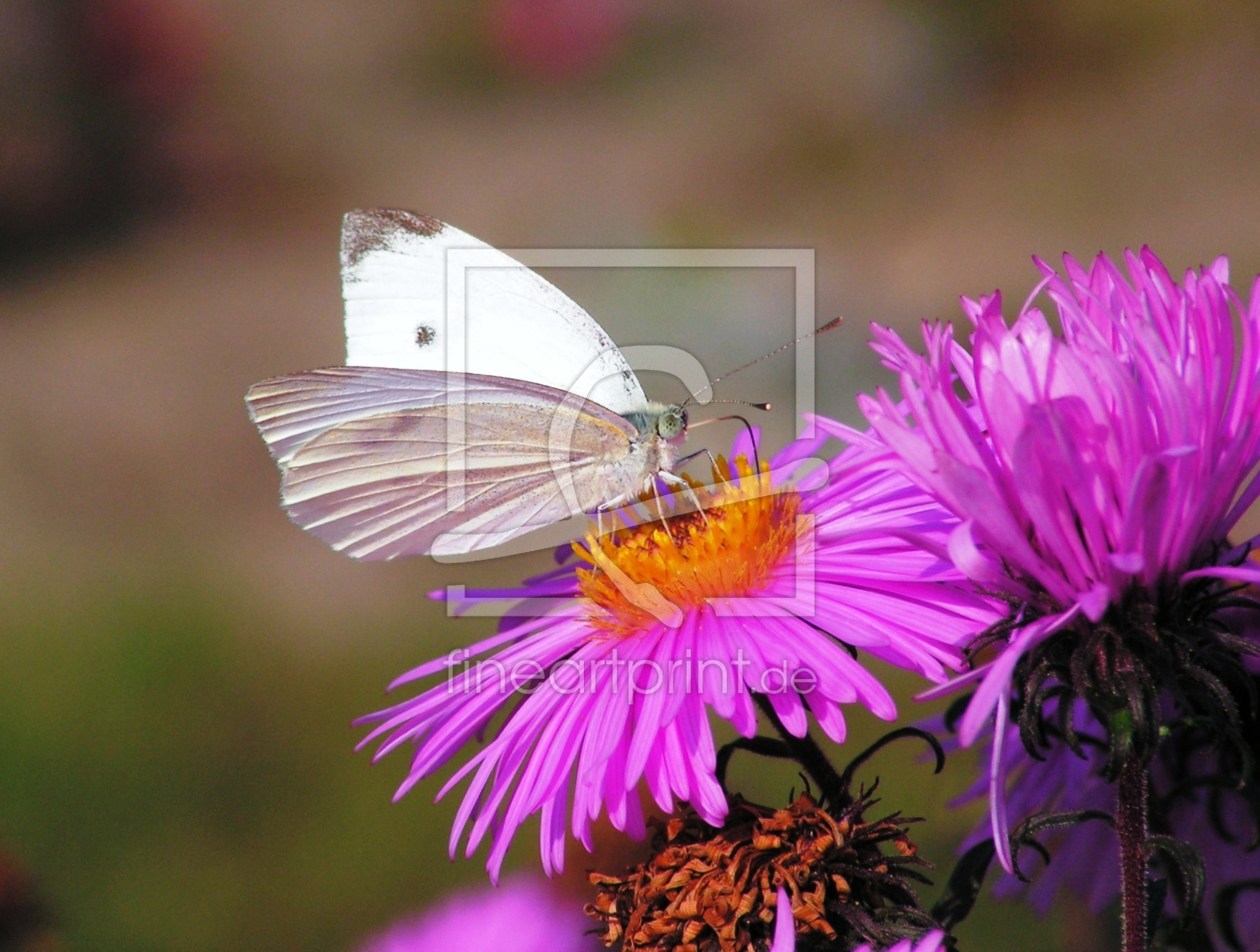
pixel 291 410
pixel 423 295
pixel 382 462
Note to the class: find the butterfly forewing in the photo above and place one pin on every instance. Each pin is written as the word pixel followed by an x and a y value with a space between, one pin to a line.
pixel 423 295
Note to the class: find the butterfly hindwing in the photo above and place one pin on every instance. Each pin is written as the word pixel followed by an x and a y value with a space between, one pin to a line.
pixel 383 462
pixel 449 479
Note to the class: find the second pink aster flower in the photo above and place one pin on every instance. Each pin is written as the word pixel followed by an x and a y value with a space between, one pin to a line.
pixel 1097 475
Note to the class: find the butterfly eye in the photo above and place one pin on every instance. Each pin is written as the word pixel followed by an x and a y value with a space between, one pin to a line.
pixel 671 423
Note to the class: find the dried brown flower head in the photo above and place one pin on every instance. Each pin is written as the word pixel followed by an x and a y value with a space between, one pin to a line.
pixel 715 890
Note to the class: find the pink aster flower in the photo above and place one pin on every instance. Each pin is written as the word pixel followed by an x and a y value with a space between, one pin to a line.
pixel 1097 474
pixel 760 600
pixel 523 915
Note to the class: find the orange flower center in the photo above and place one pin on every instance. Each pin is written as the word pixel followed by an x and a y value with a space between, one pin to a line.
pixel 656 571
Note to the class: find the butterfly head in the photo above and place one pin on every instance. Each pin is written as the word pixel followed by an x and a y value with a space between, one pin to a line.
pixel 660 423
pixel 671 424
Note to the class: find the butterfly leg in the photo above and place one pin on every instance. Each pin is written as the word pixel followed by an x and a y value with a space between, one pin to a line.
pixel 660 514
pixel 615 503
pixel 677 482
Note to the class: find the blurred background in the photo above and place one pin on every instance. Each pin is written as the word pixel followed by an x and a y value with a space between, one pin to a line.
pixel 180 663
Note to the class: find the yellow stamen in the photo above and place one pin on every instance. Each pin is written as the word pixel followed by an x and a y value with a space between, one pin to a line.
pixel 653 572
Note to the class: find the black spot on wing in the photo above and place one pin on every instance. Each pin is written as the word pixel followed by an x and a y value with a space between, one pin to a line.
pixel 425 335
pixel 365 230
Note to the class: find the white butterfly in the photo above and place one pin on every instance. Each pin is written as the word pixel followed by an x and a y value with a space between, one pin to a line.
pixel 394 454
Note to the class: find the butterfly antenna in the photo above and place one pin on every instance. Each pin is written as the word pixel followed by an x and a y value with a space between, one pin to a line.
pixel 742 403
pixel 830 325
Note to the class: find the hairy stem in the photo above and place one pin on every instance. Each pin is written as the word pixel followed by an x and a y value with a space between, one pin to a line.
pixel 1132 830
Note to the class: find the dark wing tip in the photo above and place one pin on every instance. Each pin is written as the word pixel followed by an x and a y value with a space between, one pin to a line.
pixel 365 230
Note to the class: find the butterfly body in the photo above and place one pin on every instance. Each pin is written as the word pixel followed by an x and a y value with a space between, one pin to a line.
pixel 399 452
